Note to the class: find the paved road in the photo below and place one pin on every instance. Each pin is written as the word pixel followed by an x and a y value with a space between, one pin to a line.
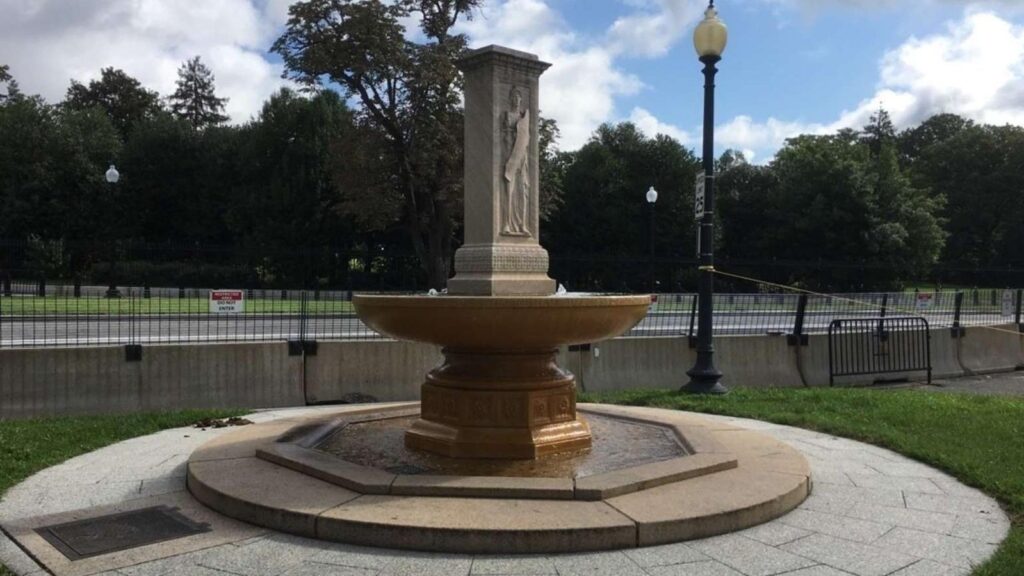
pixel 99 329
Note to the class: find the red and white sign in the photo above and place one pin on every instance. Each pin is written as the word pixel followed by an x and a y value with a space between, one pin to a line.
pixel 925 301
pixel 227 301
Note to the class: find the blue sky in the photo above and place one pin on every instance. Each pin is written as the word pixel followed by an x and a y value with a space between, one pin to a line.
pixel 792 66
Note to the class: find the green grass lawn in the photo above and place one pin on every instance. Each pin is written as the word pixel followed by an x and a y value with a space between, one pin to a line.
pixel 978 439
pixel 28 446
pixel 36 306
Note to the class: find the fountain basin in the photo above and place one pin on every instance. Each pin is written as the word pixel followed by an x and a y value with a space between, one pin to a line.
pixel 499 392
pixel 505 323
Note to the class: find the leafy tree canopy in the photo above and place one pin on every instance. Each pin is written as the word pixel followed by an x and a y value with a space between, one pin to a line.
pixel 122 97
pixel 980 171
pixel 406 91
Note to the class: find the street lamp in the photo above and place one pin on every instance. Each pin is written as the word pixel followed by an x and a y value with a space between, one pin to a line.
pixel 652 197
pixel 112 176
pixel 709 39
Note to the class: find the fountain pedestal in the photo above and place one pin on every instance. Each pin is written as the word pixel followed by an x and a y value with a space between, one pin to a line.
pixel 495 405
pixel 499 392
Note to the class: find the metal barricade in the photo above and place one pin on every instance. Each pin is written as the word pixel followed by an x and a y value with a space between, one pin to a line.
pixel 883 345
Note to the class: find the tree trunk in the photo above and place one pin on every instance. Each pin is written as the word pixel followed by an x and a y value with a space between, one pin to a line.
pixel 439 247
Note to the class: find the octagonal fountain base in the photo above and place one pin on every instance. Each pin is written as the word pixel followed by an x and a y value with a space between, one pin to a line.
pixel 654 477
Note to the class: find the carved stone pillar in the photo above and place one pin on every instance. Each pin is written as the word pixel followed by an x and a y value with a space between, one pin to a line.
pixel 502 253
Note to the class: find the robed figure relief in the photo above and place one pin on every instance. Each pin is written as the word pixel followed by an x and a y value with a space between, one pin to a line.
pixel 516 189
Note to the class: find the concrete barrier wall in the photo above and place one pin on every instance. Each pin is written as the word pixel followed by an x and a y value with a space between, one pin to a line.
pixel 384 369
pixel 628 363
pixel 66 381
pixel 662 362
pixel 248 375
pixel 945 354
pixel 44 382
pixel 984 350
pixel 757 362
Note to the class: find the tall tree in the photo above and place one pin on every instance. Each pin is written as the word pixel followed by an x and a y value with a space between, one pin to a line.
pixel 839 202
pixel 289 196
pixel 605 213
pixel 980 170
pixel 406 91
pixel 939 128
pixel 879 132
pixel 552 169
pixel 12 90
pixel 122 97
pixel 52 187
pixel 195 98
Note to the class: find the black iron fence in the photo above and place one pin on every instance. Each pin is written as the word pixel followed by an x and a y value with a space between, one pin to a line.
pixel 62 315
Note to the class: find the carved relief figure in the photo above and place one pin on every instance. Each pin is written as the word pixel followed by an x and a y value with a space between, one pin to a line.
pixel 516 189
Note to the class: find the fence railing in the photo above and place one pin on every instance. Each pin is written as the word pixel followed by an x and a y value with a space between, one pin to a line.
pixel 61 316
pixel 883 345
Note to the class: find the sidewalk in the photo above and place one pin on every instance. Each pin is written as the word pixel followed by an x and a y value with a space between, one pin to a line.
pixel 872 513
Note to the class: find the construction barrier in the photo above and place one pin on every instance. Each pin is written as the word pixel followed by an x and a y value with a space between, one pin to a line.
pixel 62 381
pixel 757 362
pixel 385 370
pixel 625 363
pixel 104 380
pixel 984 350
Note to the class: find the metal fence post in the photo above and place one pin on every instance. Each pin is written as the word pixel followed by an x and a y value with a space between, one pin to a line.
pixel 798 338
pixel 132 350
pixel 958 304
pixel 1017 313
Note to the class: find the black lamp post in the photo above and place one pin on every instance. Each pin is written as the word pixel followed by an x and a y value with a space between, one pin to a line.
pixel 709 39
pixel 112 176
pixel 652 197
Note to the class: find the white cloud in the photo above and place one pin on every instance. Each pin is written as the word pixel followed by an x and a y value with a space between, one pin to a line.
pixel 580 88
pixel 655 28
pixel 975 68
pixel 651 126
pixel 743 133
pixel 49 42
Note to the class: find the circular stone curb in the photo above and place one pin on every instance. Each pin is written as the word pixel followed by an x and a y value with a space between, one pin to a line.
pixel 769 479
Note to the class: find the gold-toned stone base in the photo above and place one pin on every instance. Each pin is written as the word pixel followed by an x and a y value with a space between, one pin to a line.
pixel 499 383
pixel 507 443
pixel 499 405
pixel 735 479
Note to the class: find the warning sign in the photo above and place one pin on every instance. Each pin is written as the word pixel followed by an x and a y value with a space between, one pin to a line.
pixel 1009 303
pixel 227 301
pixel 925 301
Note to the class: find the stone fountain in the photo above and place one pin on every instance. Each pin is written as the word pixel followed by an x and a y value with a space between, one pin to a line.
pixel 499 392
pixel 496 458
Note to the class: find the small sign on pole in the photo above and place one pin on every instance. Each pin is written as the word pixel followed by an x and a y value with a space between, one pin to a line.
pixel 925 301
pixel 227 301
pixel 698 197
pixel 1009 303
